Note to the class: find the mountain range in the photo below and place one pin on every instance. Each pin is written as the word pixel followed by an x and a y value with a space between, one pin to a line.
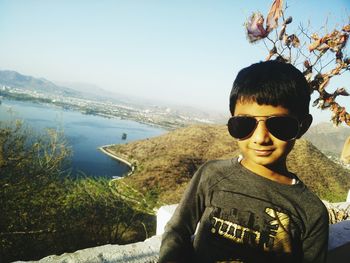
pixel 93 92
pixel 19 81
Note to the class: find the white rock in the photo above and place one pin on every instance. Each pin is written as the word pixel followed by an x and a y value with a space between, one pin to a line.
pixel 145 252
pixel 164 214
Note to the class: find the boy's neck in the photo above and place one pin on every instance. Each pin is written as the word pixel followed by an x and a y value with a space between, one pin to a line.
pixel 278 172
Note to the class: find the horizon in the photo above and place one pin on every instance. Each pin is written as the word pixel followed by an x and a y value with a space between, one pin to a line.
pixel 179 53
pixel 218 115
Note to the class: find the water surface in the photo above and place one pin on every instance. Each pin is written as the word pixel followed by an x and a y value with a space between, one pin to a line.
pixel 84 133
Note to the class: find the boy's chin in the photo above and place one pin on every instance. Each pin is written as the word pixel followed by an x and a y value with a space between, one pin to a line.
pixel 269 162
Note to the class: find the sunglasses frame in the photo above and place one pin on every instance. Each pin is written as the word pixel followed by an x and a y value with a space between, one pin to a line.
pixel 266 118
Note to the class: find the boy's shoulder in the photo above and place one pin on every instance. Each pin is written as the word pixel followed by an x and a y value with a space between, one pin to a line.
pixel 216 170
pixel 221 166
pixel 220 163
pixel 311 201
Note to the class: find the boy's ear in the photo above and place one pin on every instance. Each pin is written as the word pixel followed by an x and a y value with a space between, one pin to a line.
pixel 305 125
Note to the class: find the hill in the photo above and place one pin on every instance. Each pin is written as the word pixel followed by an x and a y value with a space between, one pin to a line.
pixel 328 138
pixel 166 163
pixel 17 80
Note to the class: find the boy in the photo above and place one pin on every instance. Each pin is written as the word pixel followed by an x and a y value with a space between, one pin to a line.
pixel 253 209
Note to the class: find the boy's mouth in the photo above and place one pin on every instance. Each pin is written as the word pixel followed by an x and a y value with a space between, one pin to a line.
pixel 264 152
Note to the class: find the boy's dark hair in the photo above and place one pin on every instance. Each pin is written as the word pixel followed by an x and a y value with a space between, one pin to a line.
pixel 272 83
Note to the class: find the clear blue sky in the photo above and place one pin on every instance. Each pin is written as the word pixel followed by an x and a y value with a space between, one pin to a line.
pixel 187 52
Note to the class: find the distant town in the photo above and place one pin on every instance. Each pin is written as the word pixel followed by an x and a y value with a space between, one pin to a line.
pixel 152 115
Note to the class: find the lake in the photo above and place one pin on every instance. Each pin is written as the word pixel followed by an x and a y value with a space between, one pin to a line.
pixel 84 133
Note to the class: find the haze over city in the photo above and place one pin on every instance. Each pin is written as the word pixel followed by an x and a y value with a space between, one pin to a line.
pixel 185 53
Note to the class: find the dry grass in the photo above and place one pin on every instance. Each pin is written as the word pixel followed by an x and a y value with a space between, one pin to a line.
pixel 327 179
pixel 166 163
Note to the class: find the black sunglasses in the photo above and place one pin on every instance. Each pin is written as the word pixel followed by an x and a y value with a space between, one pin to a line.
pixel 284 128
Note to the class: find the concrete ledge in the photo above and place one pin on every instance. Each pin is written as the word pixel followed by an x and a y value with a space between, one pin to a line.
pixel 339 235
pixel 164 214
pixel 148 251
pixel 145 252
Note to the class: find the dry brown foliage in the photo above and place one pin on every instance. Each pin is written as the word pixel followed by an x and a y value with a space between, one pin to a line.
pixel 319 57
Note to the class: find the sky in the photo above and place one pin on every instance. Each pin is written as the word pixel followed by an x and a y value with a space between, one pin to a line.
pixel 181 52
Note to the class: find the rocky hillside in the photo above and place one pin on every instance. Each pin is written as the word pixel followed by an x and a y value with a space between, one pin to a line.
pixel 328 138
pixel 166 163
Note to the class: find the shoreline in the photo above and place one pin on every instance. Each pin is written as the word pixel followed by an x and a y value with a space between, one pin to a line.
pixel 105 150
pixel 76 108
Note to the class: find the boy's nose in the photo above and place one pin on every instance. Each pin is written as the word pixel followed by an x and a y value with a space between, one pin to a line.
pixel 261 134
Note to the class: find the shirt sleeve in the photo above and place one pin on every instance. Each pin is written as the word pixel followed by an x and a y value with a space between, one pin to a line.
pixel 176 243
pixel 315 244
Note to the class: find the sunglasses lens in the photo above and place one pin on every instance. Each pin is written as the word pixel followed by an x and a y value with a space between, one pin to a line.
pixel 241 127
pixel 284 128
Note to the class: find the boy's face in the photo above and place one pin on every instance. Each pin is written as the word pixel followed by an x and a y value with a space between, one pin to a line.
pixel 261 148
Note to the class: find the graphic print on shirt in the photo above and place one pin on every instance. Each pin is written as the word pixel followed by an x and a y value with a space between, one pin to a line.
pixel 269 233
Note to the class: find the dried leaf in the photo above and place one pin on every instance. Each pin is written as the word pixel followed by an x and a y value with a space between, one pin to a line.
pixel 274 14
pixel 346 61
pixel 334 41
pixel 346 28
pixel 282 32
pixel 288 20
pixel 272 52
pixel 315 37
pixel 323 47
pixel 315 103
pixel 328 102
pixel 308 71
pixel 339 56
pixel 342 92
pixel 314 45
pixel 347 119
pixel 336 70
pixel 291 40
pixel 255 27
pixel 342 115
pixel 286 40
pixel 307 64
pixel 324 84
pixel 295 40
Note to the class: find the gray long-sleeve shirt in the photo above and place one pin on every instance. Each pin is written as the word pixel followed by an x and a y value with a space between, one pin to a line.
pixel 245 218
